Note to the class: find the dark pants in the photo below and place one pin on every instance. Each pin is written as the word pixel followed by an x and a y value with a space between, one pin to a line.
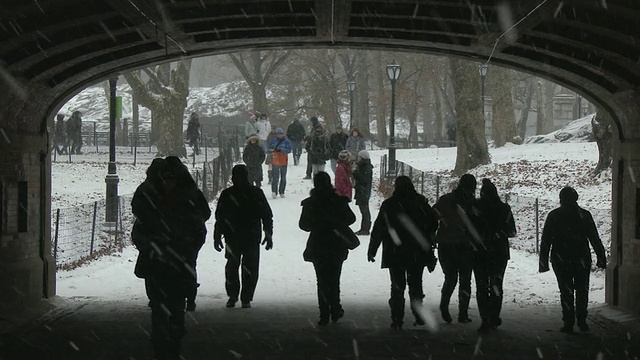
pixel 400 278
pixel 297 151
pixel 366 215
pixel 489 274
pixel 328 278
pixel 308 165
pixel 167 295
pixel 192 289
pixel 279 180
pixel 456 261
pixel 573 277
pixel 194 143
pixel 249 257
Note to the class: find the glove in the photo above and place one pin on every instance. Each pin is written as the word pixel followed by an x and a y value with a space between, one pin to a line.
pixel 371 258
pixel 217 244
pixel 268 240
pixel 601 263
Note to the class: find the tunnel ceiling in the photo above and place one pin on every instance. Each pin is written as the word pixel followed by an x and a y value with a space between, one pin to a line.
pixel 64 43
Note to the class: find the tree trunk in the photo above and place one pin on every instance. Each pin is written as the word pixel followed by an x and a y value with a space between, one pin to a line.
pixel 135 119
pixel 541 115
pixel 524 115
pixel 361 96
pixel 504 122
pixel 472 144
pixel 380 104
pixel 437 102
pixel 601 124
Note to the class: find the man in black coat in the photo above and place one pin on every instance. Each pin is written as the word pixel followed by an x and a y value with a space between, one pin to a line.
pixel 242 214
pixel 567 233
pixel 337 143
pixel 405 227
pixel 295 134
pixel 455 247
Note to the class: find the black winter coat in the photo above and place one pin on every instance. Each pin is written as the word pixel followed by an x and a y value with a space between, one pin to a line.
pixel 495 224
pixel 405 227
pixel 253 156
pixel 453 230
pixel 242 214
pixel 337 143
pixel 322 214
pixel 364 178
pixel 295 132
pixel 567 233
pixel 318 148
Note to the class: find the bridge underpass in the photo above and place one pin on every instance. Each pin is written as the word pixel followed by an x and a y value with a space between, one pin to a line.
pixel 50 49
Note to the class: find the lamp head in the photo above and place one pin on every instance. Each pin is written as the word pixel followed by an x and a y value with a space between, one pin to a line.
pixel 393 71
pixel 351 85
pixel 483 69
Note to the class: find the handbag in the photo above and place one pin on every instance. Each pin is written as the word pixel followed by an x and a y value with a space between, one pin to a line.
pixel 142 265
pixel 347 235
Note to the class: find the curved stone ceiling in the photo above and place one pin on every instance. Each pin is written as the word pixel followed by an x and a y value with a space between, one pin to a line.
pixel 59 46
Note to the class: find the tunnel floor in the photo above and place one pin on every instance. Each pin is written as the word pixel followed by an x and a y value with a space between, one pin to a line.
pixel 91 328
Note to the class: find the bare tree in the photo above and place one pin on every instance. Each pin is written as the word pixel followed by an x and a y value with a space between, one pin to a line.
pixel 504 122
pixel 541 113
pixel 472 144
pixel 258 67
pixel 379 98
pixel 602 131
pixel 165 94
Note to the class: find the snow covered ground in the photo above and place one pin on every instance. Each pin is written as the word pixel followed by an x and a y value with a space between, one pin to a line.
pixel 531 170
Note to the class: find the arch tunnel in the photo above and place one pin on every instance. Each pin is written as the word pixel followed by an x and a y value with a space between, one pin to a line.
pixel 50 49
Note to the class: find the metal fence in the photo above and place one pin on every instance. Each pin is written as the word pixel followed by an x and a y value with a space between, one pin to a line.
pixel 529 212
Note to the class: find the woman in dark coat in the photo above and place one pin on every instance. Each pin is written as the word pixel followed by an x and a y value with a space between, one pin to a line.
pixel 363 176
pixel 494 223
pixel 170 214
pixel 405 227
pixel 253 156
pixel 567 233
pixel 325 214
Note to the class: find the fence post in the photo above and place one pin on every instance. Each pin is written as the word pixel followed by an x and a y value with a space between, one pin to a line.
pixel 205 189
pixel 93 227
pixel 119 239
pixel 537 226
pixel 411 173
pixel 55 241
pixel 437 187
pixel 422 183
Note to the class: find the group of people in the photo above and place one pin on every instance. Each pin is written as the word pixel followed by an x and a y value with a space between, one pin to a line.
pixel 67 135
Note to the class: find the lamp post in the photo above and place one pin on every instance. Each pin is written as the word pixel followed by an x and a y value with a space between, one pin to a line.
pixel 111 212
pixel 393 72
pixel 351 85
pixel 483 69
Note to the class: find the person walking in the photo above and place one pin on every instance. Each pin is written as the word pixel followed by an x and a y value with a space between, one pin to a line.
pixel 269 152
pixel 170 215
pixel 280 146
pixel 59 136
pixel 296 134
pixel 264 129
pixel 355 143
pixel 363 176
pixel 405 227
pixel 74 133
pixel 318 148
pixel 455 249
pixel 193 132
pixel 326 215
pixel 494 224
pixel 567 233
pixel 254 156
pixel 343 176
pixel 250 127
pixel 242 214
pixel 337 143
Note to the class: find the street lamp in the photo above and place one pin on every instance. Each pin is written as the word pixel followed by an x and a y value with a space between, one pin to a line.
pixel 393 72
pixel 351 85
pixel 483 69
pixel 111 212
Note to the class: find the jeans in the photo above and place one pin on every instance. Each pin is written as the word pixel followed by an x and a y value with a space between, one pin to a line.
pixel 328 277
pixel 489 274
pixel 249 257
pixel 400 278
pixel 279 181
pixel 366 214
pixel 297 151
pixel 573 278
pixel 334 165
pixel 456 260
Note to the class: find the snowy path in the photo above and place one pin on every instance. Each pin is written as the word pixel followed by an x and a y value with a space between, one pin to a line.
pixel 286 277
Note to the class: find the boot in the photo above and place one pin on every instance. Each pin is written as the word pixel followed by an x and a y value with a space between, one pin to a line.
pixel 364 228
pixel 444 311
pixel 416 309
pixel 397 312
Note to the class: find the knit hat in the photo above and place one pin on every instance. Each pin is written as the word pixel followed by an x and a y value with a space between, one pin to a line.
pixel 568 196
pixel 344 155
pixel 279 131
pixel 364 154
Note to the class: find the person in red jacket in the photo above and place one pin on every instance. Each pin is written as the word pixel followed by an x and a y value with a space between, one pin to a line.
pixel 343 175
